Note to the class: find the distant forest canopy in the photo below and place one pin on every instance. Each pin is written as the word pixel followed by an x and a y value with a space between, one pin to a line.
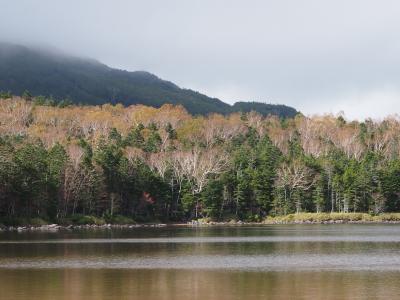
pixel 61 77
pixel 144 164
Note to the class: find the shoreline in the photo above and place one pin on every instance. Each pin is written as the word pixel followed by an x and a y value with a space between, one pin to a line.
pixel 57 227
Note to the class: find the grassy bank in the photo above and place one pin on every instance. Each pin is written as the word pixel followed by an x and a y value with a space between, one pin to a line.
pixel 332 218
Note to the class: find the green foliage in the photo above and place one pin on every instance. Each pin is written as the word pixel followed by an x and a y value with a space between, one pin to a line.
pixel 153 141
pixel 30 185
pixel 56 162
pixel 172 135
pixel 26 95
pixel 265 109
pixel 37 222
pixel 50 101
pixel 5 95
pixel 135 137
pixel 119 219
pixel 87 220
pixel 88 153
pixel 212 199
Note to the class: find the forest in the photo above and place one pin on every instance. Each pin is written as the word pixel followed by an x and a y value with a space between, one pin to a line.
pixel 144 164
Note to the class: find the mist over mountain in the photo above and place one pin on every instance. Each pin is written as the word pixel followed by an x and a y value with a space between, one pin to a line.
pixel 87 81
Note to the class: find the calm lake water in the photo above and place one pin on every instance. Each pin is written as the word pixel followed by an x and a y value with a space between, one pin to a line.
pixel 257 262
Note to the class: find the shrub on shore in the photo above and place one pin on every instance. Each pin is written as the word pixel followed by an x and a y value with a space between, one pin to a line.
pixel 23 221
pixel 88 220
pixel 332 217
pixel 120 220
pixel 93 220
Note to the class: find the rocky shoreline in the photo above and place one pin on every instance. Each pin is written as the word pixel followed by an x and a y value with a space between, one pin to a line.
pixel 57 227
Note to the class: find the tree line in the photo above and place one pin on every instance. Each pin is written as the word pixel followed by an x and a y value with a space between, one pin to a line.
pixel 162 164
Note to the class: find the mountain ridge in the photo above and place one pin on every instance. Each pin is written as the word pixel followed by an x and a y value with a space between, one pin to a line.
pixel 88 81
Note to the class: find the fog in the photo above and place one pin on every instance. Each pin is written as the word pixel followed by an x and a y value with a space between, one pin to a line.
pixel 317 56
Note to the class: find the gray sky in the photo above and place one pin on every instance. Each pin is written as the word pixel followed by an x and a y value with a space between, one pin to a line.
pixel 318 56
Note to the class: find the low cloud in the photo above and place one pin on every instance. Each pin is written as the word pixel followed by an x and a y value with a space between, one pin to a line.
pixel 317 56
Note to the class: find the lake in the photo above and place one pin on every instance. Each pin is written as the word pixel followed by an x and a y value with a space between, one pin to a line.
pixel 338 261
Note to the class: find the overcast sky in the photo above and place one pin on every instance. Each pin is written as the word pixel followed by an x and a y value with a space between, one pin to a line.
pixel 318 56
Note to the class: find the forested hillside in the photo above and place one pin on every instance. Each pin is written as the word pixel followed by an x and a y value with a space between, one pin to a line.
pixel 62 77
pixel 146 164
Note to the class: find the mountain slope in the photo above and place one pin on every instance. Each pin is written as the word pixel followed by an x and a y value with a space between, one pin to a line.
pixel 91 82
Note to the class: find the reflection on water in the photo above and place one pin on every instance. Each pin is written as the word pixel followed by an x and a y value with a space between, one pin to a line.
pixel 220 262
pixel 271 262
pixel 183 284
